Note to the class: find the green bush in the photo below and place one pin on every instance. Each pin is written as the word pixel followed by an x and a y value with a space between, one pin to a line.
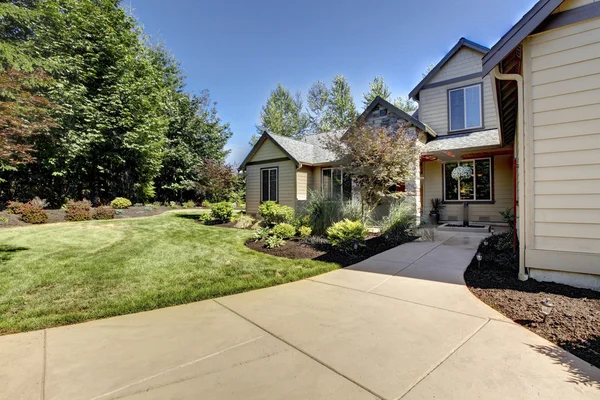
pixel 78 210
pixel 262 233
pixel 189 204
pixel 4 220
pixel 284 231
pixel 273 242
pixel 499 253
pixel 273 213
pixel 508 216
pixel 14 207
pixel 120 212
pixel 204 217
pixel 173 204
pixel 347 234
pixel 206 204
pixel 222 211
pixel 304 231
pixel 104 213
pixel 322 212
pixel 245 222
pixel 33 214
pixel 401 219
pixel 352 210
pixel 120 203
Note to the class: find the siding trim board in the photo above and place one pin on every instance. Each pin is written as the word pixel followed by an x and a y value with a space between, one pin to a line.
pixel 569 17
pixel 453 80
pixel 267 161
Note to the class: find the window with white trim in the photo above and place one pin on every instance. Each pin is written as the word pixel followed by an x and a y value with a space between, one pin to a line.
pixel 336 184
pixel 465 108
pixel 476 188
pixel 268 184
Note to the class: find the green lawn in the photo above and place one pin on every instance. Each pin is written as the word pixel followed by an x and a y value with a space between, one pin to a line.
pixel 71 272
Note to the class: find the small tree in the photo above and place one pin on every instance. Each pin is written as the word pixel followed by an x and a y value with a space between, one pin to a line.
pixel 377 159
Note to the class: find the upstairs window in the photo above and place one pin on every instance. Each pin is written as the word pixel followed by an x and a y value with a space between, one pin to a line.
pixel 336 184
pixel 465 108
pixel 268 184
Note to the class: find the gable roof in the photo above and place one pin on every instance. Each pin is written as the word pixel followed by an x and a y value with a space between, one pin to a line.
pixel 378 101
pixel 307 150
pixel 511 39
pixel 460 44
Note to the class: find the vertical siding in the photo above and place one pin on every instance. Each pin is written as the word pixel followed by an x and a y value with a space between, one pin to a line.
pixel 433 104
pixel 466 61
pixel 564 70
pixel 502 185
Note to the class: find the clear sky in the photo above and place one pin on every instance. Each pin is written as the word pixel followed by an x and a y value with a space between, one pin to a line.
pixel 241 49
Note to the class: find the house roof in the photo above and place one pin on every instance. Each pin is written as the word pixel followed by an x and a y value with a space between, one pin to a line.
pixel 378 101
pixel 489 138
pixel 307 150
pixel 526 25
pixel 460 44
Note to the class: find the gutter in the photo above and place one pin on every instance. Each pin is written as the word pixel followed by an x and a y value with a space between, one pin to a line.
pixel 523 276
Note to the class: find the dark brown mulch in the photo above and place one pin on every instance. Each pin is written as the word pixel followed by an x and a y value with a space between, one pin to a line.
pixel 297 249
pixel 59 215
pixel 574 323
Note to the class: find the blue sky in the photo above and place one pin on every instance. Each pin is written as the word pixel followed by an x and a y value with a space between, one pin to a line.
pixel 240 50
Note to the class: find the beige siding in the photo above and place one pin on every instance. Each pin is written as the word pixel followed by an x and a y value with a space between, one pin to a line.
pixel 267 151
pixel 563 67
pixel 502 187
pixel 433 104
pixel 303 177
pixel 466 61
pixel 286 182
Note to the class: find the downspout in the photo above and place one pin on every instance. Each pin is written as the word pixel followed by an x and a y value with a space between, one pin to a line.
pixel 520 129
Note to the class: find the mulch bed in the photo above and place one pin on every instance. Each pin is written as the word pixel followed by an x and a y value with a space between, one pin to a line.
pixel 297 249
pixel 59 215
pixel 574 323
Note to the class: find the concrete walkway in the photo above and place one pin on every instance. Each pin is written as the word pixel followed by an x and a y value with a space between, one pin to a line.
pixel 399 325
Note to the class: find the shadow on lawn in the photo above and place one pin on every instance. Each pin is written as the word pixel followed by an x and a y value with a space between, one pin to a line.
pixel 580 371
pixel 7 252
pixel 192 215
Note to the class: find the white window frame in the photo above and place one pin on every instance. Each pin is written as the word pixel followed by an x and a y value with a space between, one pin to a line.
pixel 341 187
pixel 269 183
pixel 491 176
pixel 464 88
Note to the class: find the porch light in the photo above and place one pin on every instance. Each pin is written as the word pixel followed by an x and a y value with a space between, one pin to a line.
pixel 479 258
pixel 547 307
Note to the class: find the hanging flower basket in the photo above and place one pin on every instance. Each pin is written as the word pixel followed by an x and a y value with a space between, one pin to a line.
pixel 461 172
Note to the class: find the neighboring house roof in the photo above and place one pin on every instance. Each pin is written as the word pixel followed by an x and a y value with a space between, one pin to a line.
pixel 378 101
pixel 308 150
pixel 526 25
pixel 489 138
pixel 414 94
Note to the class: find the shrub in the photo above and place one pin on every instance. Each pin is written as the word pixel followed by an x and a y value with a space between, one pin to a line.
pixel 284 231
pixel 273 242
pixel 317 242
pixel 402 218
pixel 222 211
pixel 346 235
pixel 78 210
pixel 273 213
pixel 36 201
pixel 4 220
pixel 508 216
pixel 204 217
pixel 352 210
pixel 156 205
pixel 262 233
pixel 120 203
pixel 138 205
pixel 499 252
pixel 322 212
pixel 104 213
pixel 120 212
pixel 206 204
pixel 173 204
pixel 14 207
pixel 148 208
pixel 245 222
pixel 33 214
pixel 304 231
pixel 189 204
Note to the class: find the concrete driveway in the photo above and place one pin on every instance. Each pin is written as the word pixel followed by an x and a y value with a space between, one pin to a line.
pixel 399 325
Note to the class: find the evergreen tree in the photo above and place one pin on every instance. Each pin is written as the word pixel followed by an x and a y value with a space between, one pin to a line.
pixel 341 111
pixel 405 104
pixel 282 115
pixel 318 102
pixel 377 87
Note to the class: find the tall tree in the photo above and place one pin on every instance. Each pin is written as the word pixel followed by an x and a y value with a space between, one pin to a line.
pixel 405 104
pixel 318 102
pixel 377 87
pixel 341 112
pixel 282 115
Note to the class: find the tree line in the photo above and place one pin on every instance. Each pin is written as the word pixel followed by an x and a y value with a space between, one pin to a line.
pixel 327 108
pixel 91 107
